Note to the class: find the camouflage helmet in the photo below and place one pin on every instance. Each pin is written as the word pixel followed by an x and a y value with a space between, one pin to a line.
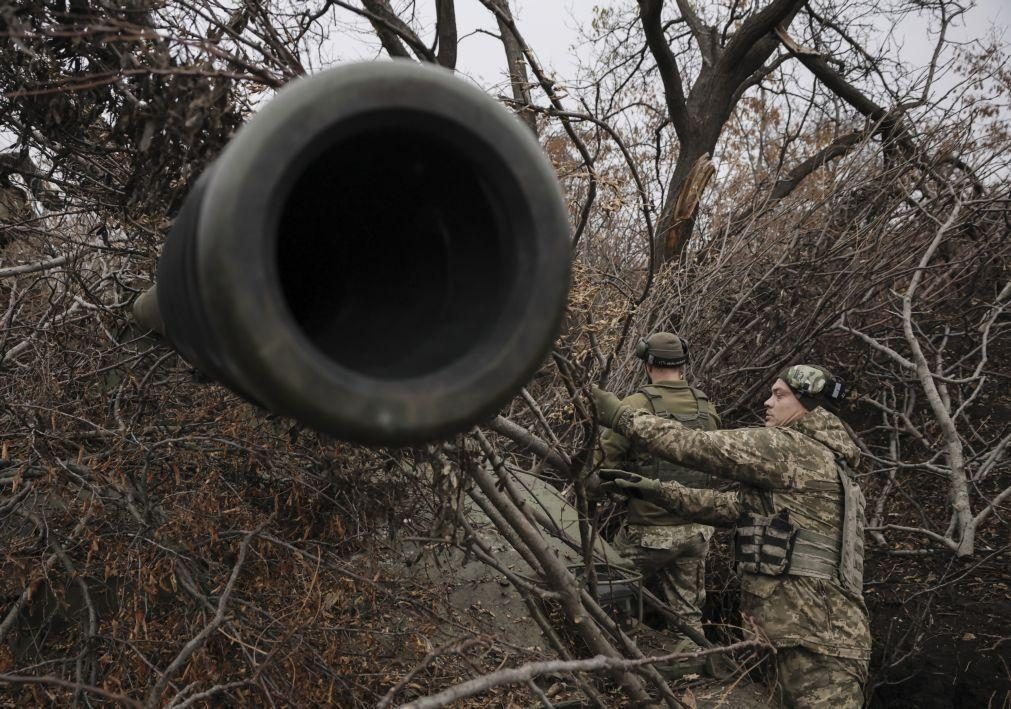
pixel 814 386
pixel 663 349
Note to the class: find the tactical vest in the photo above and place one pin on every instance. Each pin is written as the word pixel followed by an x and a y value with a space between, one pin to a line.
pixel 651 466
pixel 774 546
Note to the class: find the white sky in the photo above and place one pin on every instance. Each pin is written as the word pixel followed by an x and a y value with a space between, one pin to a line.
pixel 550 29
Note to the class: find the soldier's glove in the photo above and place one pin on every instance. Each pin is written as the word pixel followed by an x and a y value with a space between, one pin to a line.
pixel 609 407
pixel 630 485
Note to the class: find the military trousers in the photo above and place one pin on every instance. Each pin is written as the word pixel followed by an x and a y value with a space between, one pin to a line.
pixel 807 679
pixel 672 561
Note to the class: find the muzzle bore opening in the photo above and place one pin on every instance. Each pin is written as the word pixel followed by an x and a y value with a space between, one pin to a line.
pixel 393 254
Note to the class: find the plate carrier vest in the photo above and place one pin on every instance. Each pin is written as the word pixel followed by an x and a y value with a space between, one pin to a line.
pixel 774 546
pixel 651 466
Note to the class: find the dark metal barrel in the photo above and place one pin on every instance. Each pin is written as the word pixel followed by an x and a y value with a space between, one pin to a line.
pixel 382 252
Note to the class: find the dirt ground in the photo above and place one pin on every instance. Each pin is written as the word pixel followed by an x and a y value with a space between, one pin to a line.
pixel 942 632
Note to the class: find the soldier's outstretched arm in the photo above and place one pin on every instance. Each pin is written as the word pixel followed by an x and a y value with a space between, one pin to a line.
pixel 757 456
pixel 719 509
pixel 712 507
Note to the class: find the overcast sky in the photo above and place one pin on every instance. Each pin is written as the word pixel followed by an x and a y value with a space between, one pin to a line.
pixel 550 28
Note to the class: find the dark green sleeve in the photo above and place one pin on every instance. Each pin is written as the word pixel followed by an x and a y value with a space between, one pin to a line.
pixel 616 447
pixel 715 416
pixel 614 450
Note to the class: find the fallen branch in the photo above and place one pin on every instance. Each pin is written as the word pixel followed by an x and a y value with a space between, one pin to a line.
pixel 67 684
pixel 526 673
pixel 154 696
pixel 456 647
pixel 33 267
pixel 26 595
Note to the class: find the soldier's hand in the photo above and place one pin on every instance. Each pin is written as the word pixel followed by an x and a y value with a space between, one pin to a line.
pixel 628 484
pixel 608 407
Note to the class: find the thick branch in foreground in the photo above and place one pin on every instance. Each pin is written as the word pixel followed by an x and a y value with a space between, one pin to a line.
pixel 523 437
pixel 956 462
pixel 528 672
pixel 559 578
pixel 34 267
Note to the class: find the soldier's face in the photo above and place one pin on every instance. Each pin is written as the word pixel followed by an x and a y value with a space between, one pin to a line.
pixel 782 407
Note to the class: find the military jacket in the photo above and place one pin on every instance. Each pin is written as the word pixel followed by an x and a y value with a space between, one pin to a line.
pixel 675 399
pixel 791 467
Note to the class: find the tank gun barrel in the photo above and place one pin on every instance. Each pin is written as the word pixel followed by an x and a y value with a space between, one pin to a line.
pixel 382 253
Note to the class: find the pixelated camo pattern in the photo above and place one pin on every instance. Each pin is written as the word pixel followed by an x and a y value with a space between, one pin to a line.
pixel 802 378
pixel 790 467
pixel 812 681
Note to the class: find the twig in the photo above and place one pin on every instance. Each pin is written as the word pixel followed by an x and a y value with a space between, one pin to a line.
pixel 457 647
pixel 77 687
pixel 154 696
pixel 527 672
pixel 33 267
pixel 26 595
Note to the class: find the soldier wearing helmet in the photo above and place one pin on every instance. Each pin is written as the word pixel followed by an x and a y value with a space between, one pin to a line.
pixel 798 516
pixel 667 552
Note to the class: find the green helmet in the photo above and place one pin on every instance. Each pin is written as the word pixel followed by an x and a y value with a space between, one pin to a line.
pixel 663 349
pixel 814 386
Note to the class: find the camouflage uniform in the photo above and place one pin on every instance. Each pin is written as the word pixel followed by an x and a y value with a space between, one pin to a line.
pixel 669 554
pixel 818 626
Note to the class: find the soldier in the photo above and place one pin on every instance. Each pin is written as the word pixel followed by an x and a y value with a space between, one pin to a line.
pixel 670 555
pixel 799 518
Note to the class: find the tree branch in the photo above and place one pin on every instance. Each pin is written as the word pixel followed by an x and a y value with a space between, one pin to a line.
pixel 516 433
pixel 529 671
pixel 755 28
pixel 891 126
pixel 656 40
pixel 154 696
pixel 991 507
pixel 515 51
pixel 445 31
pixel 940 539
pixel 33 267
pixel 838 148
pixel 705 36
pixel 391 30
pixel 77 687
pixel 557 575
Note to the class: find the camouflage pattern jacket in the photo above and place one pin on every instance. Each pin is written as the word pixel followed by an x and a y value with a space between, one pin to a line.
pixel 791 467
